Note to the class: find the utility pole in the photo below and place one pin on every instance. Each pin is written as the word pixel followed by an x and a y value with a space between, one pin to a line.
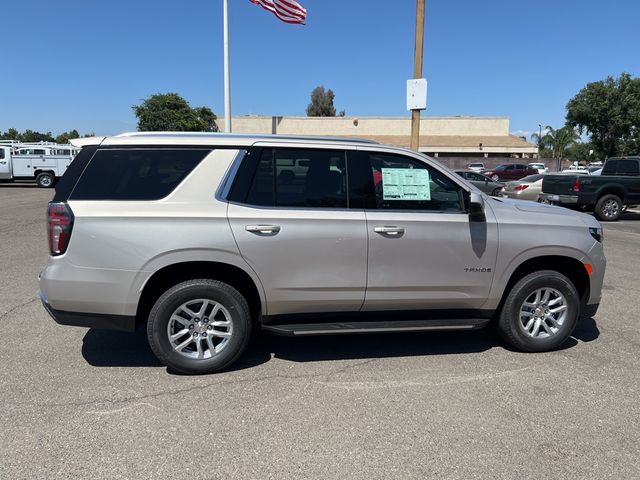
pixel 417 71
pixel 227 86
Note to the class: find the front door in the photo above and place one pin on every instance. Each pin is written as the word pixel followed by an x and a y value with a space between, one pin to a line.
pixel 424 253
pixel 294 227
pixel 5 163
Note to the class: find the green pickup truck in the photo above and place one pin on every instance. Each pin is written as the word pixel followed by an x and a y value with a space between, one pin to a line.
pixel 607 194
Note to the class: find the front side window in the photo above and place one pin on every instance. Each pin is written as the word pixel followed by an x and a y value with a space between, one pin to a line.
pixel 136 174
pixel 300 178
pixel 1 153
pixel 403 183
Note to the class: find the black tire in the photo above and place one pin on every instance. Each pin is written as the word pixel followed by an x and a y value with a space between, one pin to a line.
pixel 496 191
pixel 215 291
pixel 608 208
pixel 45 180
pixel 512 329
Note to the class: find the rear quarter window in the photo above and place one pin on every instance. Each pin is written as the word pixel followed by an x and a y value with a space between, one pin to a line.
pixel 136 173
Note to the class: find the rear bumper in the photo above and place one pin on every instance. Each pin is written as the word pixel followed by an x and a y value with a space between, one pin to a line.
pixel 90 320
pixel 559 199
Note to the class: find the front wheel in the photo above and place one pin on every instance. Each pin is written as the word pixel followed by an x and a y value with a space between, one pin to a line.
pixel 540 312
pixel 608 208
pixel 199 326
pixel 496 192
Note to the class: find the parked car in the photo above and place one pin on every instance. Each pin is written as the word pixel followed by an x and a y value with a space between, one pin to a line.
pixel 482 182
pixel 476 167
pixel 576 169
pixel 527 188
pixel 607 194
pixel 202 238
pixel 510 171
pixel 540 167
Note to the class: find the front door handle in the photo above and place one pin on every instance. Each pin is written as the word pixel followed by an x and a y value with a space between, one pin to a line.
pixel 390 231
pixel 263 229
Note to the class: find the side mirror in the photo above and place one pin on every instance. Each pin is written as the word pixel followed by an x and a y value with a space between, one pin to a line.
pixel 476 208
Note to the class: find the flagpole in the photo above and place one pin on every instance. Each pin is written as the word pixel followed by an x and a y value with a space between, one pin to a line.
pixel 227 87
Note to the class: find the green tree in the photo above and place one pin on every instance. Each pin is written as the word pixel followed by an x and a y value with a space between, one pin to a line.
pixel 555 142
pixel 582 152
pixel 609 112
pixel 64 138
pixel 172 113
pixel 32 136
pixel 322 103
pixel 11 134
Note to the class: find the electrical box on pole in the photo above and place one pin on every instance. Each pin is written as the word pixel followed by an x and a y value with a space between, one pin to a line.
pixel 416 94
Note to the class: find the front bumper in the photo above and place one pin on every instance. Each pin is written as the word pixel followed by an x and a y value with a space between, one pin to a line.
pixel 90 320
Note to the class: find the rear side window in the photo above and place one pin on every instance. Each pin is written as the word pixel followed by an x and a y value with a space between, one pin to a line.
pixel 136 173
pixel 628 167
pixel 1 153
pixel 300 178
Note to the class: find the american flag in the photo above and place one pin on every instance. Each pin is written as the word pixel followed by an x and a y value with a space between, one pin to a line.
pixel 288 11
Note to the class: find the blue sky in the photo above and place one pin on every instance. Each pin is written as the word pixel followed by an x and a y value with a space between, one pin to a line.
pixel 83 64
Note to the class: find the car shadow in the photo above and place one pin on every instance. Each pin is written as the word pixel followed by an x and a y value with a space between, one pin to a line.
pixel 630 215
pixel 105 348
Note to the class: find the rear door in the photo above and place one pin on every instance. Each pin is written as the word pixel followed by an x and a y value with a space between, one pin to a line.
pixel 290 214
pixel 424 253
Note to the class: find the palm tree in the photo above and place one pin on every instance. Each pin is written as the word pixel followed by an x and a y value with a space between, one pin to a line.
pixel 556 142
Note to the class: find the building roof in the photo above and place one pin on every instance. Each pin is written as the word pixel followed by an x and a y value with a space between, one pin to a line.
pixel 449 141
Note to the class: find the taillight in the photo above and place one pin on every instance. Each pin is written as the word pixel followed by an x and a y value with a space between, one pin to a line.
pixel 576 185
pixel 519 188
pixel 59 225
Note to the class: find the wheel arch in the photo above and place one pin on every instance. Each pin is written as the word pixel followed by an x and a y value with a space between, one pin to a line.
pixel 174 273
pixel 570 267
pixel 611 189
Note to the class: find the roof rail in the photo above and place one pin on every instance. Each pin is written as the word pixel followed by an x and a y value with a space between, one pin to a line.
pixel 258 137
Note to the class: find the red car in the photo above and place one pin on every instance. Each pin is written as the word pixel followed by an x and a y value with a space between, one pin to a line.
pixel 510 171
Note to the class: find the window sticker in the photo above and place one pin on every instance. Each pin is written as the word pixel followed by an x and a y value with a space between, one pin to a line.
pixel 405 184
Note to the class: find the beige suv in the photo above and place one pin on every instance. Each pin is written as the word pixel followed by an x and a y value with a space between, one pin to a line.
pixel 203 237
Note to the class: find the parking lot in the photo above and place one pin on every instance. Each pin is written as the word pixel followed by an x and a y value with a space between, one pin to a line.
pixel 80 403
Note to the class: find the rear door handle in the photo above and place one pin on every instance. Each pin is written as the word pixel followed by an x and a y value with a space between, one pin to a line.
pixel 390 231
pixel 263 229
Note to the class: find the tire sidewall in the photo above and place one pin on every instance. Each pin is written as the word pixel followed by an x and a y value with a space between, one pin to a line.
pixel 600 206
pixel 510 318
pixel 45 175
pixel 178 295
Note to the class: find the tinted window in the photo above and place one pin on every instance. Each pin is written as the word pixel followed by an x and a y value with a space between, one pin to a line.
pixel 476 177
pixel 135 174
pixel 610 167
pixel 1 153
pixel 510 167
pixel 402 183
pixel 300 178
pixel 628 167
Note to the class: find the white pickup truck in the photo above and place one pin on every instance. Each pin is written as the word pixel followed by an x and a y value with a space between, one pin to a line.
pixel 34 163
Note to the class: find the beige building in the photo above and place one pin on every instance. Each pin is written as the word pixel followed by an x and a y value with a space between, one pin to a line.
pixel 483 137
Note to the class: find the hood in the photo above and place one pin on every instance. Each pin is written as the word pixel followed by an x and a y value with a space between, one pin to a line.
pixel 541 211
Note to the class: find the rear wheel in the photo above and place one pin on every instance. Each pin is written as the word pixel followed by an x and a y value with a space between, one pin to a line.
pixel 608 208
pixel 45 180
pixel 199 326
pixel 495 177
pixel 540 312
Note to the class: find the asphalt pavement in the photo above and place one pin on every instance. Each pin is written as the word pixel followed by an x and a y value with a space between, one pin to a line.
pixel 79 403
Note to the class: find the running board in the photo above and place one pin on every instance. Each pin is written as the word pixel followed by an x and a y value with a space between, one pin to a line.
pixel 338 328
